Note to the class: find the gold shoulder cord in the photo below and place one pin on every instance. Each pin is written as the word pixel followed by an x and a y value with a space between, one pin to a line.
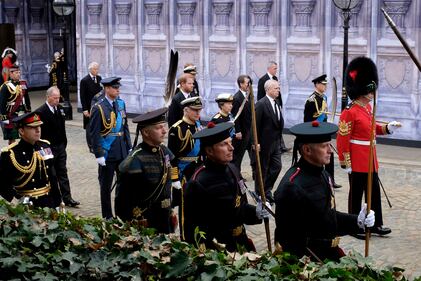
pixel 322 110
pixel 187 139
pixel 30 169
pixel 107 126
pixel 14 93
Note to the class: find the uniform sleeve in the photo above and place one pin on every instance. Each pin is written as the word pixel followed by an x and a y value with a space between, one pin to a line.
pixel 6 189
pixel 95 132
pixel 381 129
pixel 235 108
pixel 343 138
pixel 86 105
pixel 347 223
pixel 309 110
pixel 174 146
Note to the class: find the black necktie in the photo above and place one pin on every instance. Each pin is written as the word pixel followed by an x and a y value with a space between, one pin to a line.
pixel 94 78
pixel 115 107
pixel 276 109
pixel 275 78
pixel 55 111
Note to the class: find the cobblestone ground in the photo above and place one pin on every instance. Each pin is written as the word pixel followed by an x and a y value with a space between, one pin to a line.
pixel 400 172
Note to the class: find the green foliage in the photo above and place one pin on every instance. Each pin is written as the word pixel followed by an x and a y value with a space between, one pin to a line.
pixel 45 245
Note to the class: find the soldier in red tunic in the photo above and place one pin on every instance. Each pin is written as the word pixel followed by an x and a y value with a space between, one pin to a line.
pixel 353 139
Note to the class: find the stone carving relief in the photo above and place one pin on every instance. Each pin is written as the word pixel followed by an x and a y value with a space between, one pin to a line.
pixel 123 60
pixel 301 67
pixel 11 12
pixel 153 59
pixel 303 10
pixel 257 63
pixel 186 10
pixel 397 10
pixel 38 48
pixel 188 55
pixel 122 11
pixel 37 12
pixel 95 53
pixel 223 64
pixel 222 10
pixel 153 16
pixel 94 17
pixel 260 10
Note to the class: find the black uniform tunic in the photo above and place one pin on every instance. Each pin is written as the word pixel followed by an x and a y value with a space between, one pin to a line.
pixel 306 215
pixel 217 204
pixel 39 182
pixel 145 187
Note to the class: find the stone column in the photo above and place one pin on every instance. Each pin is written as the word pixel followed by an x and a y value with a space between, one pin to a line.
pixel 303 10
pixel 397 10
pixel 222 9
pixel 36 16
pixel 94 16
pixel 186 11
pixel 260 16
pixel 122 11
pixel 153 10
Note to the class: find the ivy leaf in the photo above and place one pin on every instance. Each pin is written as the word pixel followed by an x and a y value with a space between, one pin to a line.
pixel 179 263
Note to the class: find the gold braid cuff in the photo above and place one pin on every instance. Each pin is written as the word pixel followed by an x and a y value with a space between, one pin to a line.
pixel 174 173
pixel 347 160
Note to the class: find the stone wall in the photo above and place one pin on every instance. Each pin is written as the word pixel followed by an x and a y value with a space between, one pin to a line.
pixel 225 38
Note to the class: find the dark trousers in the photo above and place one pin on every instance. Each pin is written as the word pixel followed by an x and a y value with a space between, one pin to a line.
pixel 240 147
pixel 60 160
pixel 330 167
pixel 88 138
pixel 358 186
pixel 271 164
pixel 105 177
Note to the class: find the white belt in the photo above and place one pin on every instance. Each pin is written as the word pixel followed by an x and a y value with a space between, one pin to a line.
pixel 361 142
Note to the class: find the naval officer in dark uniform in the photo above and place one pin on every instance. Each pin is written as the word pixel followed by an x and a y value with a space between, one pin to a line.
pixel 144 192
pixel 110 138
pixel 26 166
pixel 307 222
pixel 315 109
pixel 215 197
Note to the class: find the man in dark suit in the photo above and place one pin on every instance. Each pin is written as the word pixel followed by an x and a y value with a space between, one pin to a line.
pixel 269 123
pixel 89 87
pixel 110 137
pixel 242 139
pixel 271 75
pixel 53 130
pixel 175 111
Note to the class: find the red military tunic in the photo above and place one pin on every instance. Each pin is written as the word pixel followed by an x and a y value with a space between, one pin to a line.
pixel 353 138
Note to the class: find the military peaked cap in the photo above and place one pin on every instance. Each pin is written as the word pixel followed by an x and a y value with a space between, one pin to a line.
pixel 214 133
pixel 151 117
pixel 31 119
pixel 224 98
pixel 111 81
pixel 313 132
pixel 321 79
pixel 194 102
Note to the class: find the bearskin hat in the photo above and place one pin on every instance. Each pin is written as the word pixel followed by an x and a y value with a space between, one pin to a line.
pixel 361 77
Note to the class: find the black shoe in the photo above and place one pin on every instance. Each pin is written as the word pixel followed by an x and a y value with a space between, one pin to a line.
pixel 335 185
pixel 381 230
pixel 360 236
pixel 71 202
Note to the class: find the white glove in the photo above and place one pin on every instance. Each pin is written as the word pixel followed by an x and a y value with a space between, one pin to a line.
pixel 101 161
pixel 392 126
pixel 364 220
pixel 348 170
pixel 176 184
pixel 5 122
pixel 261 212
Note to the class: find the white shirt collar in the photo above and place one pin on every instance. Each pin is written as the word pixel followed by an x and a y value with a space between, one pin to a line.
pixel 109 100
pixel 184 94
pixel 270 76
pixel 50 107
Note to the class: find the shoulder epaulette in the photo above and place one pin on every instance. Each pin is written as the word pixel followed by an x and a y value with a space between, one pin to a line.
pixel 177 123
pixel 217 115
pixel 10 146
pixel 292 177
pixel 311 98
pixel 46 141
